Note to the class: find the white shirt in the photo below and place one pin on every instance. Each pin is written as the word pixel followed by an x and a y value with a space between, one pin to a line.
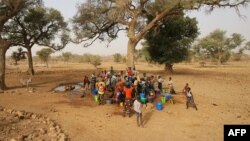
pixel 189 94
pixel 137 106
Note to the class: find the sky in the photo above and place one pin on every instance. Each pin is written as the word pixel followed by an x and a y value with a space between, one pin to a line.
pixel 225 19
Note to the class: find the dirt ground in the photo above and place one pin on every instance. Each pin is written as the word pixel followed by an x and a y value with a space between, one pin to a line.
pixel 222 95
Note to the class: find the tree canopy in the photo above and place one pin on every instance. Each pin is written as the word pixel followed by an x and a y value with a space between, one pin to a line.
pixel 36 25
pixel 169 43
pixel 44 54
pixel 98 19
pixel 218 46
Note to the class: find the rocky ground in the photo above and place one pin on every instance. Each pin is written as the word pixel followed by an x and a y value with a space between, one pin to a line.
pixel 27 126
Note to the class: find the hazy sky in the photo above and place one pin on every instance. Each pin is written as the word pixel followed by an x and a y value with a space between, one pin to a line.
pixel 225 19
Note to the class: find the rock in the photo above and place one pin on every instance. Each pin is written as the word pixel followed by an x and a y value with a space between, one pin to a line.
pixel 42 131
pixel 20 114
pixel 33 116
pixel 62 137
pixel 9 111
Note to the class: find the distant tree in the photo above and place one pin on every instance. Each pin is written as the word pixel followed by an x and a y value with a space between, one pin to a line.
pixel 247 46
pixel 37 25
pixel 44 54
pixel 86 57
pixel 170 43
pixel 18 55
pixel 95 60
pixel 237 56
pixel 117 57
pixel 218 46
pixel 67 56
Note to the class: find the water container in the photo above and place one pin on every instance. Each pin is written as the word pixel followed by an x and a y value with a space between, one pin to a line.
pixel 168 96
pixel 96 98
pixel 142 95
pixel 163 100
pixel 143 100
pixel 159 106
pixel 94 91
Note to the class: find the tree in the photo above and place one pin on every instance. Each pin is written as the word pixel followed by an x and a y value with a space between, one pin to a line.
pixel 44 54
pixel 8 9
pixel 66 56
pixel 99 19
pixel 117 57
pixel 95 60
pixel 218 46
pixel 18 55
pixel 36 25
pixel 169 43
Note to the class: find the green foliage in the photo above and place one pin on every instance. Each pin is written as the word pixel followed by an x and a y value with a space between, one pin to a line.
pixel 217 46
pixel 169 43
pixel 95 60
pixel 117 57
pixel 44 54
pixel 67 56
pixel 18 55
pixel 37 25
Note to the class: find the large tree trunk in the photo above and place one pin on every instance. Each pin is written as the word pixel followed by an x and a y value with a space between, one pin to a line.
pixel 3 48
pixel 130 53
pixel 169 68
pixel 30 61
pixel 220 54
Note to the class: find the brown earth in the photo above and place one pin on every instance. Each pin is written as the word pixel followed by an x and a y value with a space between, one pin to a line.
pixel 222 95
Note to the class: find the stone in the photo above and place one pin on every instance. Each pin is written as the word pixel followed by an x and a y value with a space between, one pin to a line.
pixel 33 116
pixel 9 111
pixel 62 137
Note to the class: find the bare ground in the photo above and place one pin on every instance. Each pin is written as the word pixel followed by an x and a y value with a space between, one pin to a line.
pixel 222 95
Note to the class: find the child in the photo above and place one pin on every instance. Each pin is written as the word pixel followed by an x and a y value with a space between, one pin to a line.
pixel 137 109
pixel 160 81
pixel 101 91
pixel 171 86
pixel 185 89
pixel 86 83
pixel 190 99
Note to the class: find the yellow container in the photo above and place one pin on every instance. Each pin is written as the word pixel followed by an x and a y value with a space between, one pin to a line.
pixel 121 104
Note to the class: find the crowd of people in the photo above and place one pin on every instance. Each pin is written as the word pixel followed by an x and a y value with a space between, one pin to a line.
pixel 126 87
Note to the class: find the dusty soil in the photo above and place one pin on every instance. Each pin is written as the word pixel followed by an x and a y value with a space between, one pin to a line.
pixel 222 95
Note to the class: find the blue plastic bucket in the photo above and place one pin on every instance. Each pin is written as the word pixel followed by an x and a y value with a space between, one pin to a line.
pixel 168 96
pixel 94 91
pixel 142 95
pixel 159 106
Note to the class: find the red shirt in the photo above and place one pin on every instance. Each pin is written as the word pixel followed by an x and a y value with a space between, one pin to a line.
pixel 128 92
pixel 130 72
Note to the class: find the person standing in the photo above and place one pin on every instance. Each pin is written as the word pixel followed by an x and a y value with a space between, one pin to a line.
pixel 160 81
pixel 137 108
